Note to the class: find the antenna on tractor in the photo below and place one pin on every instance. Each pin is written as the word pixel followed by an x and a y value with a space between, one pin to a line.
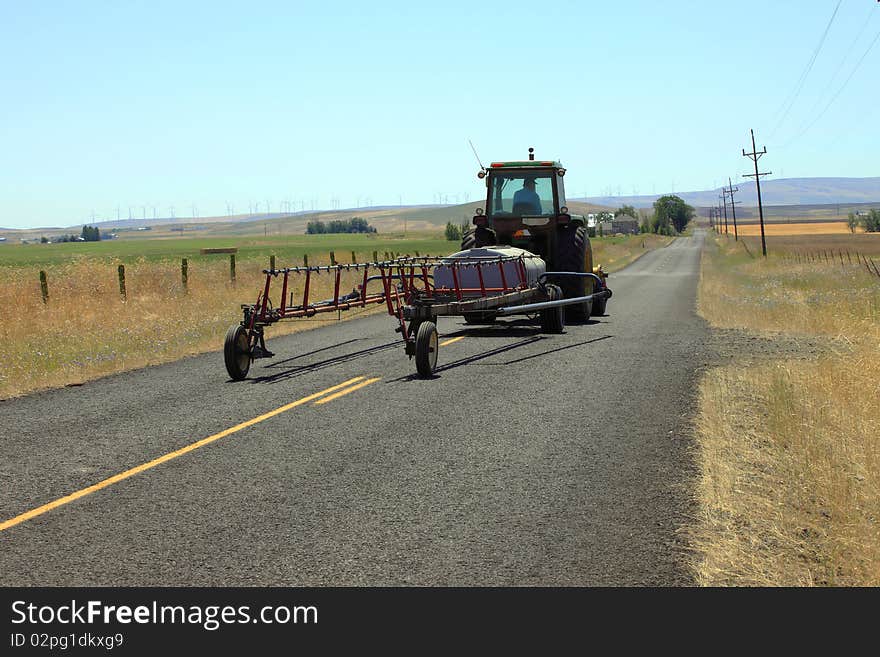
pixel 531 153
pixel 482 173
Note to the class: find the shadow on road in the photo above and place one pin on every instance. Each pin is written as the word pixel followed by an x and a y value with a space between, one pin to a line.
pixel 297 370
pixel 551 351
pixel 472 359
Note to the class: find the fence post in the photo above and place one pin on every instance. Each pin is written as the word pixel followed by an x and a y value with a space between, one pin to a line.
pixel 44 286
pixel 305 259
pixel 353 258
pixel 232 267
pixel 272 261
pixel 184 274
pixel 332 258
pixel 121 271
pixel 375 256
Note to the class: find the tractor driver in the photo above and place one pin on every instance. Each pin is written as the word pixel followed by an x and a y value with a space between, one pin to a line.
pixel 526 200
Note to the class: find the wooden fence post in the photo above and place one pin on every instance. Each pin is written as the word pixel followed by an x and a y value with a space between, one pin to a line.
pixel 44 286
pixel 184 275
pixel 332 258
pixel 305 259
pixel 353 258
pixel 121 272
pixel 232 267
pixel 272 261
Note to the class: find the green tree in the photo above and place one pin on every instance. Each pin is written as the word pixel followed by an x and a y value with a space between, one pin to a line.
pixel 671 215
pixel 852 221
pixel 627 210
pixel 91 234
pixel 872 221
pixel 453 232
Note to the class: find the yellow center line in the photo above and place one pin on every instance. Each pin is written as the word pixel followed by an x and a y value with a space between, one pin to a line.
pixel 345 392
pixel 33 513
pixel 451 340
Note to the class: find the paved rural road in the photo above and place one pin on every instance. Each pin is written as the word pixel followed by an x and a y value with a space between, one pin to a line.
pixel 529 460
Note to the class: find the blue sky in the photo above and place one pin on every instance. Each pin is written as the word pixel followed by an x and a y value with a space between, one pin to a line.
pixel 129 106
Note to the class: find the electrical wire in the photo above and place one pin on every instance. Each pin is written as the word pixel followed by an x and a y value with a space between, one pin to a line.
pixel 788 104
pixel 836 95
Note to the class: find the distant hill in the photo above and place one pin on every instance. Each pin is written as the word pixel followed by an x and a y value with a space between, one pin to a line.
pixel 784 191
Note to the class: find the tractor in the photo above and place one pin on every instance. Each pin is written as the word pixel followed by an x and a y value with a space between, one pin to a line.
pixel 526 208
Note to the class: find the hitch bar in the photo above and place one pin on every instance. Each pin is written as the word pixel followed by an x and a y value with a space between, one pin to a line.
pixel 543 305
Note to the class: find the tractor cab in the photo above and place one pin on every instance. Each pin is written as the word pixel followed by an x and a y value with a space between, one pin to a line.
pixel 525 205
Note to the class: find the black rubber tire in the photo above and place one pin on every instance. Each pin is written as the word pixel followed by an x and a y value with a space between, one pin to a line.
pixel 553 319
pixel 478 238
pixel 236 352
pixel 427 346
pixel 598 304
pixel 571 255
pixel 479 318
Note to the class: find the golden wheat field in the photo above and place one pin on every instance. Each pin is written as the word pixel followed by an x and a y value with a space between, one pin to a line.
pixel 794 228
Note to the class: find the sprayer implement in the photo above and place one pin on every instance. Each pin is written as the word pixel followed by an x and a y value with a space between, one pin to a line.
pixel 478 284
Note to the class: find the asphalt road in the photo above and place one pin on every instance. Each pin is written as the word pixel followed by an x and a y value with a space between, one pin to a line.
pixel 529 459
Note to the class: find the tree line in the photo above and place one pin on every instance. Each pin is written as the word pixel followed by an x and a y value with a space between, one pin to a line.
pixel 353 225
pixel 870 221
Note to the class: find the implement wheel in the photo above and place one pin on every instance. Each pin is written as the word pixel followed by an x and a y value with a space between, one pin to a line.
pixel 236 352
pixel 427 346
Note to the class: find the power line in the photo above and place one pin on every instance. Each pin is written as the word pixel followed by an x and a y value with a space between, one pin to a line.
pixel 836 95
pixel 803 78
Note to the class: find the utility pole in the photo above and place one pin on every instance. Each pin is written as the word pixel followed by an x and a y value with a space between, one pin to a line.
pixel 755 156
pixel 732 191
pixel 723 198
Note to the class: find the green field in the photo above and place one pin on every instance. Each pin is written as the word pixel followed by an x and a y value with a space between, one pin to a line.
pixel 288 249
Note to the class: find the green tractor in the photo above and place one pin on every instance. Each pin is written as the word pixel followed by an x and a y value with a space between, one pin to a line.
pixel 525 208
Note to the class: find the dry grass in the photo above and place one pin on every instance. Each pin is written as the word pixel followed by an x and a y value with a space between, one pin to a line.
pixel 86 330
pixel 789 450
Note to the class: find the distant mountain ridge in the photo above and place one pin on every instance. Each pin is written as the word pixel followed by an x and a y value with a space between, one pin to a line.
pixel 782 191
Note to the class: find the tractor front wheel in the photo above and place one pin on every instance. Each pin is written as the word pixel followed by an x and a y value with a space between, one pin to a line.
pixel 553 319
pixel 598 304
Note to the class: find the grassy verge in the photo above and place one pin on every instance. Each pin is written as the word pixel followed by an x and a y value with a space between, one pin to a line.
pixel 789 449
pixel 87 330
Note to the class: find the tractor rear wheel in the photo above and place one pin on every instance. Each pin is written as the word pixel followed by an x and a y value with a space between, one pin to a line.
pixel 571 255
pixel 427 346
pixel 478 238
pixel 236 352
